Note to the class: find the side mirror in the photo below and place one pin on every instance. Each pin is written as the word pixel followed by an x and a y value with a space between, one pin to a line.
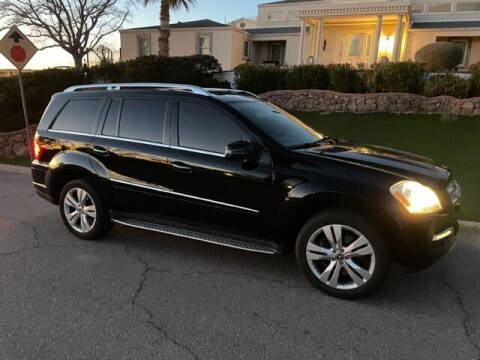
pixel 241 150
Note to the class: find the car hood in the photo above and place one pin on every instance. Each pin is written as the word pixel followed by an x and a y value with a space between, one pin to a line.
pixel 383 158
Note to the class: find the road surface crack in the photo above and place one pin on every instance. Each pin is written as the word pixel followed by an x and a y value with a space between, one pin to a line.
pixel 466 316
pixel 251 276
pixel 147 269
pixel 28 226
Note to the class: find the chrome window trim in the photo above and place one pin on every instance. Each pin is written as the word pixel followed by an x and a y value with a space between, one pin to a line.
pixel 40 163
pixel 69 132
pixel 135 141
pixel 205 152
pixel 39 185
pixel 169 191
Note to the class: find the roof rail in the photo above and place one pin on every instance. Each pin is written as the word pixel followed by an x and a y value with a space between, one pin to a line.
pixel 120 86
pixel 232 92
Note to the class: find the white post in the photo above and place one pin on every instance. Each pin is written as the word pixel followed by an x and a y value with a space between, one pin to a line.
pixel 302 42
pixel 398 39
pixel 376 40
pixel 319 40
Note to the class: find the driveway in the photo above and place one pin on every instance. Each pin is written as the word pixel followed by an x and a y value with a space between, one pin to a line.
pixel 141 295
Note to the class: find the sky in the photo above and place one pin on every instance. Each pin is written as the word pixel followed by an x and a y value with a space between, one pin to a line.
pixel 218 10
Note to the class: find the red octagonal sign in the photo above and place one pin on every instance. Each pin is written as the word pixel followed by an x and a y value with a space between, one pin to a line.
pixel 18 53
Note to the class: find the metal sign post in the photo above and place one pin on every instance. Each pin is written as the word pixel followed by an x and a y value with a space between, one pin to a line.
pixel 18 49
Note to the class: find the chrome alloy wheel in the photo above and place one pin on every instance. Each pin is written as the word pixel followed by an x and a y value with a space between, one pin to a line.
pixel 79 210
pixel 340 256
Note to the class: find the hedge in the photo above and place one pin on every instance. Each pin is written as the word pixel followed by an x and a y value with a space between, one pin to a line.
pixel 401 77
pixel 41 85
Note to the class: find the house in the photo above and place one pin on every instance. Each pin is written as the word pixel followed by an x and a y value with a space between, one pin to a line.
pixel 323 32
pixel 207 37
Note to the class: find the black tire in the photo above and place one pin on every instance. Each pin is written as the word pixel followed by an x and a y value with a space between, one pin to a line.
pixel 102 223
pixel 350 220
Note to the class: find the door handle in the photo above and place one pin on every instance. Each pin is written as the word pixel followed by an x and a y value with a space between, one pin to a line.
pixel 101 151
pixel 179 166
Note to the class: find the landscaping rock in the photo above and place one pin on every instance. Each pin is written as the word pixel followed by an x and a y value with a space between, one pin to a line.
pixel 330 101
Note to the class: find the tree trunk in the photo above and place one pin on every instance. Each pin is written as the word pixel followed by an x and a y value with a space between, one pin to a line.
pixel 78 61
pixel 163 45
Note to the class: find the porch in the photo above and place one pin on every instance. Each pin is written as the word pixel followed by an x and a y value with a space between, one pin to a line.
pixel 268 52
pixel 353 33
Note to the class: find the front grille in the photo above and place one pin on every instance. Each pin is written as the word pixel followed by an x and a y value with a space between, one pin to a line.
pixel 454 191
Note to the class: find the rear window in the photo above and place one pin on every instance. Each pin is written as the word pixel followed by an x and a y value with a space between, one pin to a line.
pixel 79 116
pixel 143 119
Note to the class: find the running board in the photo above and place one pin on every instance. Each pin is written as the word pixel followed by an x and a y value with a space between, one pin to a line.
pixel 201 234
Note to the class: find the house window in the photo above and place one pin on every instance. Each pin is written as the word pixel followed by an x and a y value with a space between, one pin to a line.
pixel 246 49
pixel 468 6
pixel 204 44
pixel 439 8
pixel 464 43
pixel 143 45
pixel 418 8
pixel 355 45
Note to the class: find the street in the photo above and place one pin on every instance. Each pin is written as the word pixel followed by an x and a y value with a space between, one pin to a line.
pixel 143 295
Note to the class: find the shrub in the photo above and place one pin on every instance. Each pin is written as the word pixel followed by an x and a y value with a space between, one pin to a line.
pixel 260 78
pixel 440 56
pixel 447 84
pixel 406 77
pixel 197 70
pixel 307 77
pixel 475 70
pixel 345 78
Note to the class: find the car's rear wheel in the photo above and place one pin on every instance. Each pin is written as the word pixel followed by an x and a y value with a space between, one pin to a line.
pixel 342 254
pixel 83 211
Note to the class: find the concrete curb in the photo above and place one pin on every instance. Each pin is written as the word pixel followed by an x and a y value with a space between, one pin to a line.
pixel 470 227
pixel 17 169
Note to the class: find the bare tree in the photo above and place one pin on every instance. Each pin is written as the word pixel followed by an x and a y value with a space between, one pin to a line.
pixel 165 7
pixel 77 26
pixel 104 54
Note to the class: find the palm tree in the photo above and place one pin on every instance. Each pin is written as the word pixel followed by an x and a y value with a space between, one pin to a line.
pixel 165 7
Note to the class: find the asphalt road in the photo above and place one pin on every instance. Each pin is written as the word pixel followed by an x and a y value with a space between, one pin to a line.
pixel 141 295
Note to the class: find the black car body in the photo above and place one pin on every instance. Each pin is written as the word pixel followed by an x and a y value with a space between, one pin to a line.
pixel 208 166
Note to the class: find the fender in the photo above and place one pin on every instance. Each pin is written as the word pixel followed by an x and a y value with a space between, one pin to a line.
pixel 73 161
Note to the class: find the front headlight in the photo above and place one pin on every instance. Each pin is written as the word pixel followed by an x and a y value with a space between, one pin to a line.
pixel 417 198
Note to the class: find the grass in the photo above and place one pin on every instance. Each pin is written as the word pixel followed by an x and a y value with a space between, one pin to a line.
pixel 22 161
pixel 449 140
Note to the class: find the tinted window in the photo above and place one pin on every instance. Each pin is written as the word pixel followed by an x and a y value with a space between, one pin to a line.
pixel 281 126
pixel 110 126
pixel 143 119
pixel 79 115
pixel 204 127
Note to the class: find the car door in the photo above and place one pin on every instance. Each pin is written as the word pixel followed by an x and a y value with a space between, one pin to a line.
pixel 210 187
pixel 131 143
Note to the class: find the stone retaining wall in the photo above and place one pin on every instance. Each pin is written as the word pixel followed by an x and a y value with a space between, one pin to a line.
pixel 330 101
pixel 14 143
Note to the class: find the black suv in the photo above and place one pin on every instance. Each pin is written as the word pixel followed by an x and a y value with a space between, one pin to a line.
pixel 224 167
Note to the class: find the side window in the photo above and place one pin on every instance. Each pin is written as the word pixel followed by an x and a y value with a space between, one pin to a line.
pixel 204 127
pixel 143 119
pixel 110 126
pixel 79 115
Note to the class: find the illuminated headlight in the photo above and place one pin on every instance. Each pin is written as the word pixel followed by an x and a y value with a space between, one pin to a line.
pixel 417 198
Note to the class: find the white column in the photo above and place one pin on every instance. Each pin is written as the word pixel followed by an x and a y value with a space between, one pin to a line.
pixel 397 45
pixel 302 42
pixel 318 39
pixel 376 40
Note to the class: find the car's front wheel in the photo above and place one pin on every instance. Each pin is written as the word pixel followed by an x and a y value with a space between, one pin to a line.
pixel 342 254
pixel 83 211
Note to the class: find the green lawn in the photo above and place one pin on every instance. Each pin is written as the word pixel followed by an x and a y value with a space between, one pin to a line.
pixel 449 140
pixel 22 161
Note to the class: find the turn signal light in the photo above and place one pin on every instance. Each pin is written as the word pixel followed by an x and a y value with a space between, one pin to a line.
pixel 37 149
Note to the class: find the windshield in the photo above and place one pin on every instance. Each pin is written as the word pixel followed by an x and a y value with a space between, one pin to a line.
pixel 281 126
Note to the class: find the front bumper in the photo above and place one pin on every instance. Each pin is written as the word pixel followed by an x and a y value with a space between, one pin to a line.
pixel 424 239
